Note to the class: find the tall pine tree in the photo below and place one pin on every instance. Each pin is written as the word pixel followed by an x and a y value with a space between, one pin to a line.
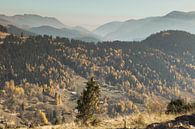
pixel 88 103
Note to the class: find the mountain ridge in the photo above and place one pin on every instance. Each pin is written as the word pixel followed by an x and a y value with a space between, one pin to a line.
pixel 32 20
pixel 141 28
pixel 75 33
pixel 129 30
pixel 40 25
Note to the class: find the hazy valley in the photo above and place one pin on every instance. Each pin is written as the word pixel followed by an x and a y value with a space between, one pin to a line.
pixel 45 66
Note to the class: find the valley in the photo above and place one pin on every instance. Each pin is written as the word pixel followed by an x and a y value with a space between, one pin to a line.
pixel 46 75
pixel 97 64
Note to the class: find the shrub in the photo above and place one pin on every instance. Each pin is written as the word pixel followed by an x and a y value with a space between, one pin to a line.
pixel 58 100
pixel 13 90
pixel 178 106
pixel 153 106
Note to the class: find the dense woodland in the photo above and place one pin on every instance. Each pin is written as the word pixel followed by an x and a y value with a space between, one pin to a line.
pixel 161 67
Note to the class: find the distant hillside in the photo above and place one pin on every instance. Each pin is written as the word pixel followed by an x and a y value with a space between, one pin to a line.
pixel 10 29
pixel 173 42
pixel 80 28
pixel 50 31
pixel 31 20
pixel 31 24
pixel 140 29
pixel 4 22
pixel 18 31
pixel 107 28
pixel 75 32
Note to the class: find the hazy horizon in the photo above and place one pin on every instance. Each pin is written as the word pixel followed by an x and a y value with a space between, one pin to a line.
pixel 91 14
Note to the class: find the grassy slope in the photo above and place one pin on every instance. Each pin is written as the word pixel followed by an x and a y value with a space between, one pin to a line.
pixel 133 121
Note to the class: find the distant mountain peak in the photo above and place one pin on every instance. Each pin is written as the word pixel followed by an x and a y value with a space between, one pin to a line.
pixel 38 16
pixel 31 15
pixel 176 13
pixel 181 14
pixel 32 20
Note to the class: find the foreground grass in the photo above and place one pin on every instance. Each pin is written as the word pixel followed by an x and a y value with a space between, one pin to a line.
pixel 133 121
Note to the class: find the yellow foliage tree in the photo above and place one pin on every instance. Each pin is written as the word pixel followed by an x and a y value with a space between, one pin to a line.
pixel 58 99
pixel 43 117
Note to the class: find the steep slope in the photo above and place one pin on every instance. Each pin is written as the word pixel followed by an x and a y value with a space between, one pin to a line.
pixel 142 28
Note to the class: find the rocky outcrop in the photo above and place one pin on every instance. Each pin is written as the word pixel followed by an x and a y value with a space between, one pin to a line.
pixel 181 122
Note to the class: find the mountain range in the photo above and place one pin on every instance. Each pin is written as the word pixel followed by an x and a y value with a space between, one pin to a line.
pixel 140 29
pixel 116 30
pixel 31 24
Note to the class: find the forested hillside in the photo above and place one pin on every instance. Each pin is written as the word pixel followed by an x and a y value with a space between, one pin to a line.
pixel 162 67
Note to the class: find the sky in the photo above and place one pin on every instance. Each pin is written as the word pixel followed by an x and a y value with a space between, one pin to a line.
pixel 93 13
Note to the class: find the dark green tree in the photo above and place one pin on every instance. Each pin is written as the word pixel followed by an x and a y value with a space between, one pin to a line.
pixel 88 104
pixel 22 34
pixel 3 29
pixel 178 106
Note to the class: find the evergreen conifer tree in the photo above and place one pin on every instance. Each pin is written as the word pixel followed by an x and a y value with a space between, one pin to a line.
pixel 88 103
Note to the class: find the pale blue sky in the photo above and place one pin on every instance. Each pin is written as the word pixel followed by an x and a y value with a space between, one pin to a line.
pixel 91 13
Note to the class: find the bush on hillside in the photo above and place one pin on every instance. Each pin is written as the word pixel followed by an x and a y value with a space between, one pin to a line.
pixel 3 29
pixel 178 106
